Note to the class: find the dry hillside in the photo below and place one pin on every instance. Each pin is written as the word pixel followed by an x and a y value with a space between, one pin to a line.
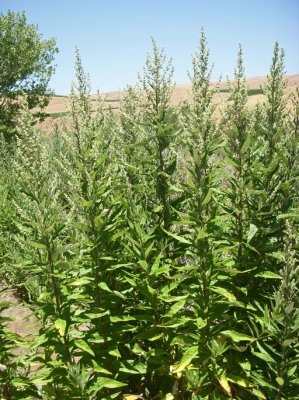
pixel 58 105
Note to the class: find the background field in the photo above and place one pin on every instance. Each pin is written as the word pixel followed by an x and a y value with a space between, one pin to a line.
pixel 57 107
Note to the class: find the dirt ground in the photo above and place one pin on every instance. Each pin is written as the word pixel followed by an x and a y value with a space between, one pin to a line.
pixel 22 321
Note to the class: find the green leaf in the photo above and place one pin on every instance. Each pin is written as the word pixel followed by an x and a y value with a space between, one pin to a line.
pixel 258 394
pixel 261 380
pixel 201 323
pixel 225 293
pixel 41 377
pixel 37 245
pixel 207 198
pixel 81 344
pixel 159 270
pixel 107 383
pixel 115 352
pixel 225 385
pixel 230 161
pixel 188 356
pixel 105 287
pixel 201 235
pixel 175 323
pixel 151 334
pixel 97 368
pixel 245 365
pixel 245 145
pixel 141 367
pixel 143 264
pixel 172 299
pixel 123 318
pixel 251 232
pixel 239 381
pixel 237 336
pixel 169 396
pixel 176 237
pixel 129 370
pixel 268 275
pixel 264 356
pixel 39 341
pixel 184 341
pixel 80 282
pixel 153 338
pixel 60 325
pixel 175 308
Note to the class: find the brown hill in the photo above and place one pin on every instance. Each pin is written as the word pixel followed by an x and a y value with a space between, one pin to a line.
pixel 58 105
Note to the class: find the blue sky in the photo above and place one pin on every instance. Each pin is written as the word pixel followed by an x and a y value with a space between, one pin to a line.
pixel 114 36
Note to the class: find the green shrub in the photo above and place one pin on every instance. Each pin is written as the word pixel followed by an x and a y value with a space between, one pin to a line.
pixel 157 249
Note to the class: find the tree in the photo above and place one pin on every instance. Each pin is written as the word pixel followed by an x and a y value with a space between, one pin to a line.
pixel 25 68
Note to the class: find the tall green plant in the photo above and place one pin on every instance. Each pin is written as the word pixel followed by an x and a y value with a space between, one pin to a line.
pixel 157 249
pixel 159 120
pixel 285 323
pixel 238 142
pixel 241 229
pixel 151 251
pixel 133 138
pixel 273 138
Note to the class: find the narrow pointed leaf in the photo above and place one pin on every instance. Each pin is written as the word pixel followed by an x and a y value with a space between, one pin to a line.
pixel 225 385
pixel 187 358
pixel 176 237
pixel 237 336
pixel 107 383
pixel 84 346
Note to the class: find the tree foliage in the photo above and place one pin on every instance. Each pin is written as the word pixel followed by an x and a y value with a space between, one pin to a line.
pixel 26 66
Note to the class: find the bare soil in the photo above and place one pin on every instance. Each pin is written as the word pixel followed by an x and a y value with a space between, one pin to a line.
pixel 22 321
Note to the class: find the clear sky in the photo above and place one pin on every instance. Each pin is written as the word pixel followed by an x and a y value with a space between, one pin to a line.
pixel 114 35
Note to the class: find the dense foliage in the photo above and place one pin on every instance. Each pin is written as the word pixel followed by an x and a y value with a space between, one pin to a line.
pixel 156 247
pixel 26 67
